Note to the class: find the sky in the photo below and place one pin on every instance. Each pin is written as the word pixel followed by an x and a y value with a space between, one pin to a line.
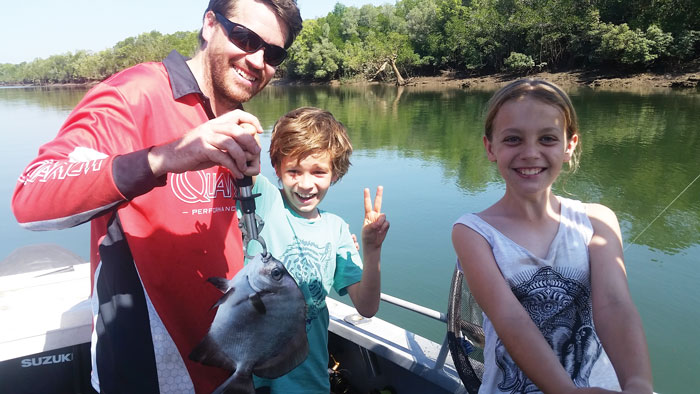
pixel 33 29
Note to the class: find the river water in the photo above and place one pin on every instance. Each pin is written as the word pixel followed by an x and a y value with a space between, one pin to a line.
pixel 641 154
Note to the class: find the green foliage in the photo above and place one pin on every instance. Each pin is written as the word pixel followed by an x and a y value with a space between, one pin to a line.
pixel 675 16
pixel 684 47
pixel 313 54
pixel 620 44
pixel 83 66
pixel 469 39
pixel 659 42
pixel 425 36
pixel 519 62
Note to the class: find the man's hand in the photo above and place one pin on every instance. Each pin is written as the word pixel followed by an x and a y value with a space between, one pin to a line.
pixel 375 225
pixel 229 141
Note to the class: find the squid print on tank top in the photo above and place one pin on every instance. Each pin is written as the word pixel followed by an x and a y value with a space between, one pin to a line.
pixel 559 302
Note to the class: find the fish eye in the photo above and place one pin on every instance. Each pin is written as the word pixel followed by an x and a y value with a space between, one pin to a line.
pixel 276 273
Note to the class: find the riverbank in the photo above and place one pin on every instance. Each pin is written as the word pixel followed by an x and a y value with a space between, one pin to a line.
pixel 638 82
pixel 576 78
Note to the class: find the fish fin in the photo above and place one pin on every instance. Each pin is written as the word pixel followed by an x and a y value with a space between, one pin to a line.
pixel 222 284
pixel 237 383
pixel 208 352
pixel 223 299
pixel 289 357
pixel 257 303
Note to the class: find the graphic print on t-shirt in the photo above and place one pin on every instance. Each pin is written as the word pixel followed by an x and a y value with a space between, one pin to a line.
pixel 560 304
pixel 306 262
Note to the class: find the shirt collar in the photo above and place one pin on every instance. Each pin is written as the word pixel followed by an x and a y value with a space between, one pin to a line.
pixel 182 81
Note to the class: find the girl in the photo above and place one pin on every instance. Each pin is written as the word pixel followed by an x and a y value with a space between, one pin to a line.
pixel 548 271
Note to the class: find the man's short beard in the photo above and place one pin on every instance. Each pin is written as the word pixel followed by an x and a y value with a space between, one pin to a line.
pixel 224 86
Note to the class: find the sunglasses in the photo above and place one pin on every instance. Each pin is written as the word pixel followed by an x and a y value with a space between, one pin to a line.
pixel 250 42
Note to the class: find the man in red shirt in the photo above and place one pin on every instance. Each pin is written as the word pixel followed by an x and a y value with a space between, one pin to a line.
pixel 150 157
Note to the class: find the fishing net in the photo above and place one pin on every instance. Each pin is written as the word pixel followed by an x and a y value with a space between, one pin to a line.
pixel 464 333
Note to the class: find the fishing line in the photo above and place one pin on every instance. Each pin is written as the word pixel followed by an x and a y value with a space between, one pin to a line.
pixel 662 212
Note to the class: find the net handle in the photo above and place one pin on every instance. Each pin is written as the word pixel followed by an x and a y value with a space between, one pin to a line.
pixel 464 367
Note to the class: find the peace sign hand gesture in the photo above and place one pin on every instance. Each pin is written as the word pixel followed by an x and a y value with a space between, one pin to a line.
pixel 375 225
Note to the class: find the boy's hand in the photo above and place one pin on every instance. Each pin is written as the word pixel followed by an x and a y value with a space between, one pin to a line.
pixel 375 225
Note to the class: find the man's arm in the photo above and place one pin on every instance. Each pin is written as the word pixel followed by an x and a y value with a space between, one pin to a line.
pixel 98 161
pixel 71 180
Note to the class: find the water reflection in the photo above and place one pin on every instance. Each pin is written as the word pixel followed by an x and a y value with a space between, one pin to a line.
pixel 48 98
pixel 639 151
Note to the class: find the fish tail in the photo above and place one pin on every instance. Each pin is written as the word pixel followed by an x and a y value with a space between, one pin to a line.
pixel 238 383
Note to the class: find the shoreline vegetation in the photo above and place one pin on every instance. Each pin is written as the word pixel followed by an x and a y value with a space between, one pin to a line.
pixel 644 81
pixel 603 44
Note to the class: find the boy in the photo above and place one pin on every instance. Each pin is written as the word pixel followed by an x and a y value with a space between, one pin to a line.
pixel 310 151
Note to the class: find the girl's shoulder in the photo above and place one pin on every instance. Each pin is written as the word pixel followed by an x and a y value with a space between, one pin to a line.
pixel 598 210
pixel 467 218
pixel 591 209
pixel 600 214
pixel 471 229
pixel 479 218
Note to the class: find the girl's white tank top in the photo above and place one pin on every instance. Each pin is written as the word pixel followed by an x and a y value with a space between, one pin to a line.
pixel 556 292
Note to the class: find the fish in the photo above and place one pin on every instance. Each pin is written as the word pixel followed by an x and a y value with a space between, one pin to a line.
pixel 259 327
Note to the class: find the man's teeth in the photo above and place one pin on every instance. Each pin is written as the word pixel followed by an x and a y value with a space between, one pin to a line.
pixel 529 171
pixel 305 195
pixel 245 75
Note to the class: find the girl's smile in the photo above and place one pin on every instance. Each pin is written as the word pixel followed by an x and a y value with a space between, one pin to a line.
pixel 529 171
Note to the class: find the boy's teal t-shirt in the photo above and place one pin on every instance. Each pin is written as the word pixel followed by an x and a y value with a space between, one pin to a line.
pixel 319 254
